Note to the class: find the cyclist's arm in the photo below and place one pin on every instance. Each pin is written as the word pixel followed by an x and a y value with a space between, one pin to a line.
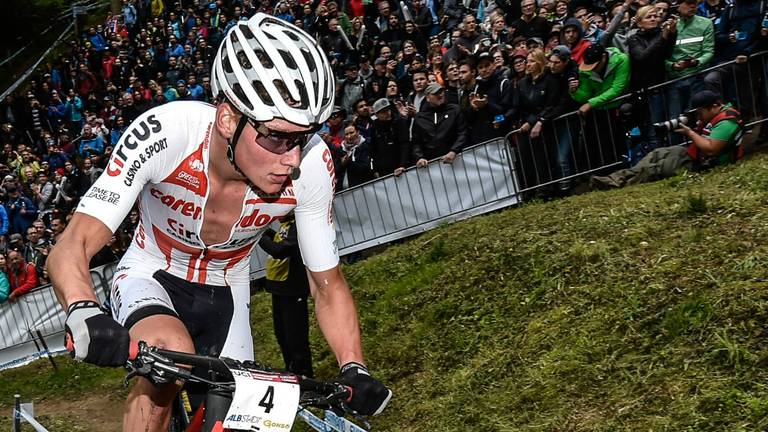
pixel 68 260
pixel 336 314
pixel 334 306
pixel 134 163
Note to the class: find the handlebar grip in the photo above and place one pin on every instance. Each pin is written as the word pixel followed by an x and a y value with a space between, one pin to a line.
pixel 133 350
pixel 69 343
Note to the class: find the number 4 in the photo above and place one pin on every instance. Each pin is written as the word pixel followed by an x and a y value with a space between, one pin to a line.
pixel 268 399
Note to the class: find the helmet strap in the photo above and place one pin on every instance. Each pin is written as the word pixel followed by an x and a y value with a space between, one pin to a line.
pixel 233 142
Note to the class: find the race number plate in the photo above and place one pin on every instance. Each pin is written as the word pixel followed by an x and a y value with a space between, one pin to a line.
pixel 264 402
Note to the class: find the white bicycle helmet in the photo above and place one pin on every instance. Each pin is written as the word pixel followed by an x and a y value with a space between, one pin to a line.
pixel 268 68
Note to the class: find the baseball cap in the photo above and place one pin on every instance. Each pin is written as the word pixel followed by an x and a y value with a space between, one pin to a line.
pixel 9 178
pixel 433 88
pixel 16 237
pixel 484 56
pixel 520 53
pixel 592 56
pixel 704 99
pixel 381 104
pixel 380 61
pixel 338 111
pixel 562 52
pixel 535 40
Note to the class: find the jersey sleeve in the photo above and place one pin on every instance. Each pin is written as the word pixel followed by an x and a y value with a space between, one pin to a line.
pixel 314 208
pixel 140 157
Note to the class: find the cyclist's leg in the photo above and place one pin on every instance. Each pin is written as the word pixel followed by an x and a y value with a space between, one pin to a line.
pixel 144 307
pixel 148 407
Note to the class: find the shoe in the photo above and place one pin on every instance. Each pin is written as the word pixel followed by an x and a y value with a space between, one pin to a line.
pixel 603 183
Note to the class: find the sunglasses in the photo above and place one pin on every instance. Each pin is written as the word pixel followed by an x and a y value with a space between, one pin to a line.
pixel 280 142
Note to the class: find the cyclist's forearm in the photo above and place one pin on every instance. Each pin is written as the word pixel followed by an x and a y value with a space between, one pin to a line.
pixel 70 276
pixel 337 315
pixel 68 261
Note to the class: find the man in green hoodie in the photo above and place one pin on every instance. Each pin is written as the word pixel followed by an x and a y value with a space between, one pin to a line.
pixel 603 76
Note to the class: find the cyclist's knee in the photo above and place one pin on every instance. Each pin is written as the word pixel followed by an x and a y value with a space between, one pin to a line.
pixel 163 331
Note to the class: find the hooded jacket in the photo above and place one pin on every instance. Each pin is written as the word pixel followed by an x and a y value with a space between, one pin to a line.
pixel 438 130
pixel 577 49
pixel 599 90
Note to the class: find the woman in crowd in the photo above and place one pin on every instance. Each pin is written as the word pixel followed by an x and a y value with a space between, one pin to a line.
pixel 536 91
pixel 649 47
pixel 452 84
pixel 436 68
pixel 5 286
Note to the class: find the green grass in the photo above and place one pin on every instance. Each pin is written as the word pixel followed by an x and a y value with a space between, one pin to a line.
pixel 641 309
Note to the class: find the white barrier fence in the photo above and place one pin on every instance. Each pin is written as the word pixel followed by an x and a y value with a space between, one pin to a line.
pixel 33 326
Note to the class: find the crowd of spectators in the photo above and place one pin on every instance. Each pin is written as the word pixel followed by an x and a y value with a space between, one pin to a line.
pixel 417 79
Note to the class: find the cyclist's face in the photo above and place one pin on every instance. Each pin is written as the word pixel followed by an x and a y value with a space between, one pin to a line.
pixel 267 170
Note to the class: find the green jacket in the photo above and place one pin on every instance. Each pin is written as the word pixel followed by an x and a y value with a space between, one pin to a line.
pixel 5 287
pixel 695 40
pixel 598 90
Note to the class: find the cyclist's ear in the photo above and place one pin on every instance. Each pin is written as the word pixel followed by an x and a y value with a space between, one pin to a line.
pixel 227 118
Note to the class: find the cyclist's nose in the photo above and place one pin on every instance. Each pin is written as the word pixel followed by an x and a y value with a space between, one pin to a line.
pixel 292 157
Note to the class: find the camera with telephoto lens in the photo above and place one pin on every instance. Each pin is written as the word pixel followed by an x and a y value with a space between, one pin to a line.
pixel 674 123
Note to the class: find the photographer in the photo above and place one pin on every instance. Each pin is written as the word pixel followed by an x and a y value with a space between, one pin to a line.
pixel 716 140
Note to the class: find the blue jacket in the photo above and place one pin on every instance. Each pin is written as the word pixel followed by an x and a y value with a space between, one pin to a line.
pixel 96 145
pixel 745 17
pixel 3 221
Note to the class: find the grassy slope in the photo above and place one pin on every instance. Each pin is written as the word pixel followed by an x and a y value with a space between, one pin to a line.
pixel 639 309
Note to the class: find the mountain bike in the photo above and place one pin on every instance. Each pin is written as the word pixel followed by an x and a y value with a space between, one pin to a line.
pixel 244 396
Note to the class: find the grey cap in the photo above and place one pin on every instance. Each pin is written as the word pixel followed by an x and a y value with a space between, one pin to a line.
pixel 380 105
pixel 16 237
pixel 562 51
pixel 433 88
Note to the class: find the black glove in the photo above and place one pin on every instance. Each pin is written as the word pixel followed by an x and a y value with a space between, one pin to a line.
pixel 369 396
pixel 95 337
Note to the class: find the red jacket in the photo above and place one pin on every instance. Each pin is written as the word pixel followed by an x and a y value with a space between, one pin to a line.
pixel 577 51
pixel 22 282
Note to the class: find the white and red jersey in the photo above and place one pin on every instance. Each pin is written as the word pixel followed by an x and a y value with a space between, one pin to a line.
pixel 163 160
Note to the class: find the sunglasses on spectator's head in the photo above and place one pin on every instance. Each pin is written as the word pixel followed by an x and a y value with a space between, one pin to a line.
pixel 279 142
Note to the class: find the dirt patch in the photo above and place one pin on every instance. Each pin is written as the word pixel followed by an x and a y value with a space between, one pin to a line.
pixel 97 413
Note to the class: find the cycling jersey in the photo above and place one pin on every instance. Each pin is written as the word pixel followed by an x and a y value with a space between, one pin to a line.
pixel 163 160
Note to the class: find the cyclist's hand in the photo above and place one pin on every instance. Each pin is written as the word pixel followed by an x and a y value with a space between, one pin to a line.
pixel 369 396
pixel 96 338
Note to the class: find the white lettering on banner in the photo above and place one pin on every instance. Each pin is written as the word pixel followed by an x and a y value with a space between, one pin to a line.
pixel 263 401
pixel 690 40
pixel 104 195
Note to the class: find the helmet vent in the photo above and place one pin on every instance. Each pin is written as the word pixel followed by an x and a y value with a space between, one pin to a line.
pixel 289 61
pixel 242 58
pixel 284 93
pixel 227 65
pixel 291 35
pixel 309 60
pixel 241 95
pixel 246 31
pixel 264 59
pixel 263 93
pixel 304 98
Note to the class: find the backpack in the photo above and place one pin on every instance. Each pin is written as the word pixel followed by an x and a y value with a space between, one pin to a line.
pixel 736 152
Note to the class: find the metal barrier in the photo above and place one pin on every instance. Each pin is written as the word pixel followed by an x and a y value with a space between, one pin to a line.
pixel 33 326
pixel 573 146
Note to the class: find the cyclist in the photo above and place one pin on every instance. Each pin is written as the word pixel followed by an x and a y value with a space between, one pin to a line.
pixel 209 179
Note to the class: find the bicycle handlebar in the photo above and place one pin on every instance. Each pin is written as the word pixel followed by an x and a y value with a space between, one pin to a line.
pixel 163 365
